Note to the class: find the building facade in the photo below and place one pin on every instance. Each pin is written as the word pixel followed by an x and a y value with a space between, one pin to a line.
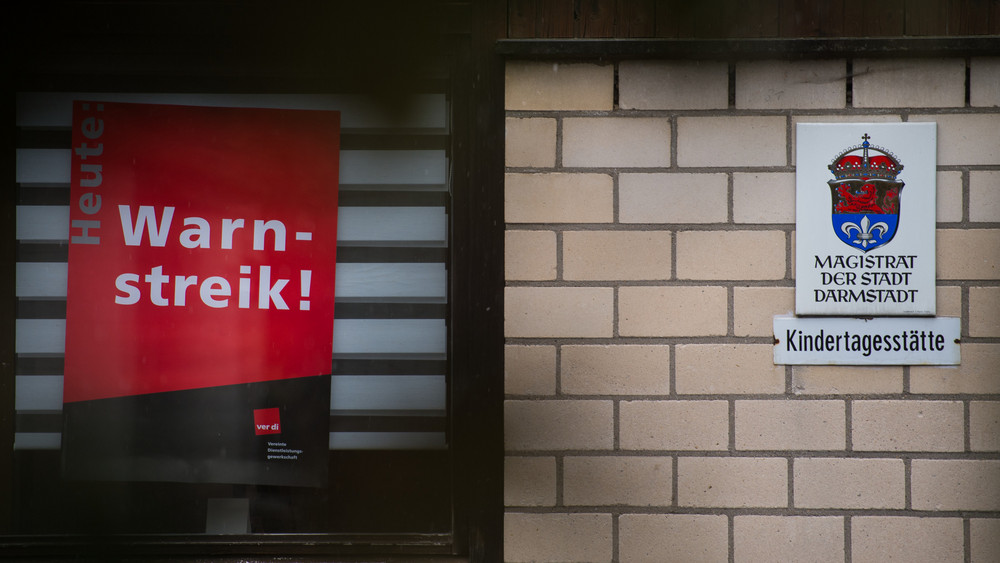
pixel 574 224
pixel 650 211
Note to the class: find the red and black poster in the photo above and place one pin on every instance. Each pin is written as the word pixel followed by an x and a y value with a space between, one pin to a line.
pixel 199 325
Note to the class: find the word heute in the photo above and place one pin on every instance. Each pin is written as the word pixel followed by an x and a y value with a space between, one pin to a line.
pixel 90 177
pixel 214 291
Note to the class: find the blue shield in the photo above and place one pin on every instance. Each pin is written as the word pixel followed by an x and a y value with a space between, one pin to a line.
pixel 865 231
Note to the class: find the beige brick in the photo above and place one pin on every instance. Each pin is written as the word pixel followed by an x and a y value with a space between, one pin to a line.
pixel 966 254
pixel 779 539
pixel 558 425
pixel 955 484
pixel 727 368
pixel 616 142
pixel 530 85
pixel 539 312
pixel 949 197
pixel 908 426
pixel 674 425
pixel 530 255
pixel 557 537
pixel 530 142
pixel 673 198
pixel 847 380
pixel 949 301
pixel 984 196
pixel 966 138
pixel 874 118
pixel 849 483
pixel 877 539
pixel 791 425
pixel 688 538
pixel 731 141
pixel 984 85
pixel 672 311
pixel 731 255
pixel 765 197
pixel 617 480
pixel 673 85
pixel 754 309
pixel 984 535
pixel 780 84
pixel 984 311
pixel 732 482
pixel 529 370
pixel 529 481
pixel 984 426
pixel 976 374
pixel 617 255
pixel 904 83
pixel 558 198
pixel 616 370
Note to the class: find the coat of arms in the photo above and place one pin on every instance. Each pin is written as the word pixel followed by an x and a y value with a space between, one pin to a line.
pixel 865 195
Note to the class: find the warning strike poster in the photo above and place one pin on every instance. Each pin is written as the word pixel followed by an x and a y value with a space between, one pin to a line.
pixel 199 323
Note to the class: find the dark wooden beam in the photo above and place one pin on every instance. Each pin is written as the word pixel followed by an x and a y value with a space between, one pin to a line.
pixel 738 49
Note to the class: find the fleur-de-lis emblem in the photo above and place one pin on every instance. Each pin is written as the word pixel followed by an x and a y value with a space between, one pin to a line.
pixel 865 231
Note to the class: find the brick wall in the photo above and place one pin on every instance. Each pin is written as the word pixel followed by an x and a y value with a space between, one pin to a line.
pixel 650 234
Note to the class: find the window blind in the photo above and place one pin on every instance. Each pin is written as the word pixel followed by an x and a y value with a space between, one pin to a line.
pixel 390 348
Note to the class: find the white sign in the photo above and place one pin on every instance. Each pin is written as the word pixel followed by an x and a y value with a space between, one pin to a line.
pixel 865 218
pixel 879 341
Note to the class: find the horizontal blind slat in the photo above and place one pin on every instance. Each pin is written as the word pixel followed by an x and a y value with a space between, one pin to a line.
pixel 392 167
pixel 392 224
pixel 348 392
pixel 357 336
pixel 354 195
pixel 359 252
pixel 374 280
pixel 424 111
pixel 39 166
pixel 53 166
pixel 389 336
pixel 41 279
pixel 45 223
pixel 37 440
pixel 391 280
pixel 387 441
pixel 347 308
pixel 387 392
pixel 38 392
pixel 40 336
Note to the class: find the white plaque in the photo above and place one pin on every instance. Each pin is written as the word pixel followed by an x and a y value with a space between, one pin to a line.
pixel 865 218
pixel 878 341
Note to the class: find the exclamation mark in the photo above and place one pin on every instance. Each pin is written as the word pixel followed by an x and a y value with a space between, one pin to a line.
pixel 306 276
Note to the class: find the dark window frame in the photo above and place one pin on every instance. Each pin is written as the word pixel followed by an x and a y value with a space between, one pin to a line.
pixel 475 310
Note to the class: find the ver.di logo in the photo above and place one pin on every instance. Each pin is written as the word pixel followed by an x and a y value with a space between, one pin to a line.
pixel 865 195
pixel 267 421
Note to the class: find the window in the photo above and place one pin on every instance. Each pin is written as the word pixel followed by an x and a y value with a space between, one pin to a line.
pixel 414 424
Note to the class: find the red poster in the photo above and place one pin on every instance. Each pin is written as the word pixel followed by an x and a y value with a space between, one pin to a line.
pixel 203 246
pixel 202 250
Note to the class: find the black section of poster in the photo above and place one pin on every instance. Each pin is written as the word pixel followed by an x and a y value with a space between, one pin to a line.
pixel 229 434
